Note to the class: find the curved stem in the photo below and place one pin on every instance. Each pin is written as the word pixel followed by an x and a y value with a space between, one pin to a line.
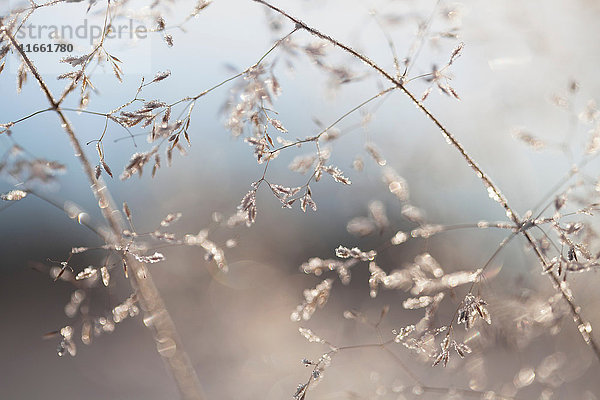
pixel 583 326
pixel 175 358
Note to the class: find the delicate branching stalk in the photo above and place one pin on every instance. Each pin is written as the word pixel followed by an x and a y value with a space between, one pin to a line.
pixel 584 327
pixel 159 320
pixel 425 279
pixel 318 367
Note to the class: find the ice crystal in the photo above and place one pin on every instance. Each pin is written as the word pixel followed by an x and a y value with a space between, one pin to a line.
pixel 313 299
pixel 355 252
pixel 13 195
pixel 473 307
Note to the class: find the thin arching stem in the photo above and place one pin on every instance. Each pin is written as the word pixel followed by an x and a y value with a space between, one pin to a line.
pixel 584 327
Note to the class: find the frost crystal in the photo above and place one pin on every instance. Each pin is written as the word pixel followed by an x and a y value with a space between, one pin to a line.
pixel 472 307
pixel 13 195
pixel 154 258
pixel 399 238
pixel 313 298
pixel 317 266
pixel 396 184
pixel 87 273
pixel 248 206
pixel 355 252
pixel 310 336
pixel 105 276
pixel 169 219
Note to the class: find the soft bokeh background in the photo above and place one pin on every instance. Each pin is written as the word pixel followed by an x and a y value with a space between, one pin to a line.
pixel 236 327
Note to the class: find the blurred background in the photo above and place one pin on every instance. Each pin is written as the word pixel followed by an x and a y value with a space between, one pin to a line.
pixel 516 73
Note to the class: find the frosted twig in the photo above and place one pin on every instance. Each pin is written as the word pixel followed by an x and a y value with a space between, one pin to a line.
pixel 584 326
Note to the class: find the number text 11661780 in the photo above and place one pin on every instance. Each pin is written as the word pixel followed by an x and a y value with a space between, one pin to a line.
pixel 46 48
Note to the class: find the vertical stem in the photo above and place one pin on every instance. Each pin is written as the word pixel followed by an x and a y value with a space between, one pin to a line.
pixel 156 314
